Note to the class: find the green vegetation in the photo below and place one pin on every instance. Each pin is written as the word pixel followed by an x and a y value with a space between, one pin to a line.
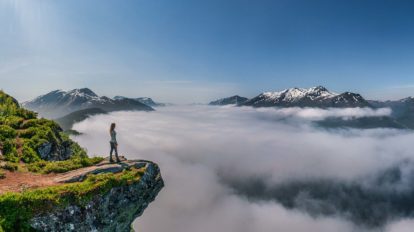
pixel 22 133
pixel 73 163
pixel 10 166
pixel 18 208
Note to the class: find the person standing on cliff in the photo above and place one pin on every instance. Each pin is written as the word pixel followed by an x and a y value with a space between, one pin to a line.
pixel 113 143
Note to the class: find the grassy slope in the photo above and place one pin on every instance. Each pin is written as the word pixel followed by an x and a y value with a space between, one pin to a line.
pixel 21 134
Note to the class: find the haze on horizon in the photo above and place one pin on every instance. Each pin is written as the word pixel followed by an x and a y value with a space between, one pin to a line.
pixel 196 51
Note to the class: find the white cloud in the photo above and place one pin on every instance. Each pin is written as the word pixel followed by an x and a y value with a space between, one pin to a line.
pixel 319 114
pixel 197 146
pixel 401 226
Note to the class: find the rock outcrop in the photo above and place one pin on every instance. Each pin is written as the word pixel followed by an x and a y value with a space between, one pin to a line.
pixel 113 210
pixel 55 152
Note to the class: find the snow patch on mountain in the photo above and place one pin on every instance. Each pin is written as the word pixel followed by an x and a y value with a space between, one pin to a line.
pixel 59 103
pixel 295 94
pixel 317 96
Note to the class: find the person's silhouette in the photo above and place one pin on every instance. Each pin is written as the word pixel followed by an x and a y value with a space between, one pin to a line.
pixel 113 143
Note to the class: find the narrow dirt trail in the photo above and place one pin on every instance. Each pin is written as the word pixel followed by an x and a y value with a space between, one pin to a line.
pixel 19 181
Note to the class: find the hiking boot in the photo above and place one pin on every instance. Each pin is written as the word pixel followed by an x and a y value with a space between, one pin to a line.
pixel 118 160
pixel 111 161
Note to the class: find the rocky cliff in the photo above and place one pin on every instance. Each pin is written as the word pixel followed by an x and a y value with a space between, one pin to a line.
pixel 113 210
pixel 103 197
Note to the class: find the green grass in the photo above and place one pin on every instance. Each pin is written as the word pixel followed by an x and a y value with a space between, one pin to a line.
pixel 10 166
pixel 16 209
pixel 22 133
pixel 73 163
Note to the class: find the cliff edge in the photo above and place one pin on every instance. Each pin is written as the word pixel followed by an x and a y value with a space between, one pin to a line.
pixel 111 208
pixel 48 183
pixel 103 197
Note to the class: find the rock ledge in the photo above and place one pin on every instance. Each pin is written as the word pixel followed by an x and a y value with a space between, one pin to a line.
pixel 113 210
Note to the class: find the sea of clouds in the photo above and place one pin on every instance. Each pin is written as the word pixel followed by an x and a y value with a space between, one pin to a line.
pixel 264 170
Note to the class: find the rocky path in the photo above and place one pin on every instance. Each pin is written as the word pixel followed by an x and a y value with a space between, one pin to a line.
pixel 19 181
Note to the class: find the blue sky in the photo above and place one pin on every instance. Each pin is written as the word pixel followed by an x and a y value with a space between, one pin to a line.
pixel 195 51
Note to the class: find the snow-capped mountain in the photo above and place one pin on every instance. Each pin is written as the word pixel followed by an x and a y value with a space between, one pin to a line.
pixel 59 103
pixel 233 100
pixel 145 100
pixel 313 97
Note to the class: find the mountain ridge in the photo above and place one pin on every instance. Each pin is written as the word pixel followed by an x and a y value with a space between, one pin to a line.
pixel 59 103
pixel 318 96
pixel 67 121
pixel 144 100
pixel 233 100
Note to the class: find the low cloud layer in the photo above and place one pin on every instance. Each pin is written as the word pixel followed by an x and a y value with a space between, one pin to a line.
pixel 212 158
pixel 319 114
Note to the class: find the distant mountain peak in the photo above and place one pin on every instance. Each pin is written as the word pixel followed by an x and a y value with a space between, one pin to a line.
pixel 83 92
pixel 407 99
pixel 296 94
pixel 144 100
pixel 318 96
pixel 233 100
pixel 59 103
pixel 320 88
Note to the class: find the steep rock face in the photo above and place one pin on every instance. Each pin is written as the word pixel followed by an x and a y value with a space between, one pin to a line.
pixel 114 210
pixel 55 152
